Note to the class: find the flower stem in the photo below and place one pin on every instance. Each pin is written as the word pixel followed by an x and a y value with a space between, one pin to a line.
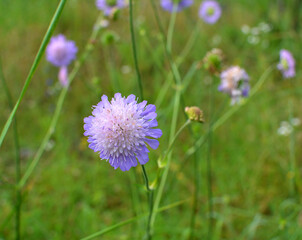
pixel 34 66
pixel 231 111
pixel 150 200
pixel 18 201
pixel 89 47
pixel 139 80
pixel 292 163
pixel 120 224
pixel 177 99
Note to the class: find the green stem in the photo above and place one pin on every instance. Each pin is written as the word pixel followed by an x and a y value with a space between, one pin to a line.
pixel 174 139
pixel 34 66
pixel 17 150
pixel 166 165
pixel 195 196
pixel 177 79
pixel 209 165
pixel 232 110
pixel 171 29
pixel 115 226
pixel 150 200
pixel 139 80
pixel 292 162
pixel 89 47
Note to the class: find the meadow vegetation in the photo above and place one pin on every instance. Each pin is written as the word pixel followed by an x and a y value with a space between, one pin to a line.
pixel 247 170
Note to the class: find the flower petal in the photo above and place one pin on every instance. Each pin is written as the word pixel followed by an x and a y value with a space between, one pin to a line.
pixel 149 108
pixel 155 133
pixel 142 157
pixel 153 143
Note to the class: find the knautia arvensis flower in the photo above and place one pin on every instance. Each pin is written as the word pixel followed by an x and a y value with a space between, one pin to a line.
pixel 287 64
pixel 175 5
pixel 120 129
pixel 235 82
pixel 210 11
pixel 110 6
pixel 61 52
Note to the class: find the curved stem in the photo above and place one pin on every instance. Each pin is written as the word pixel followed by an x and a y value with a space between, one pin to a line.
pixel 139 80
pixel 166 170
pixel 34 66
pixel 115 226
pixel 89 47
pixel 232 110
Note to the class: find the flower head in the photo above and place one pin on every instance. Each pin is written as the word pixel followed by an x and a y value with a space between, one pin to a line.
pixel 120 129
pixel 210 11
pixel 194 114
pixel 213 60
pixel 60 51
pixel 175 5
pixel 109 6
pixel 287 64
pixel 235 82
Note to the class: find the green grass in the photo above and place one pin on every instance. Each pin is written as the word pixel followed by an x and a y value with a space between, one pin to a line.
pixel 72 194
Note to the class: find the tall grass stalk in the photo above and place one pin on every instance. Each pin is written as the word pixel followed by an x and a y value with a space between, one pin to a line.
pixel 174 117
pixel 292 174
pixel 51 129
pixel 34 66
pixel 18 200
pixel 209 163
pixel 140 85
pixel 133 42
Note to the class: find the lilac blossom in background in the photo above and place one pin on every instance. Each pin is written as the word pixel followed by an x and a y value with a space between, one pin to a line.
pixel 287 64
pixel 210 11
pixel 61 52
pixel 175 5
pixel 235 82
pixel 109 6
pixel 119 130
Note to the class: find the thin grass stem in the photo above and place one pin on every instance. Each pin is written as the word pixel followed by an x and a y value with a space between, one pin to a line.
pixel 292 174
pixel 18 201
pixel 130 220
pixel 34 66
pixel 139 80
pixel 51 129
pixel 220 121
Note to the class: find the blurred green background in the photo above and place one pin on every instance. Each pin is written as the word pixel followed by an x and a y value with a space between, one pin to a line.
pixel 72 194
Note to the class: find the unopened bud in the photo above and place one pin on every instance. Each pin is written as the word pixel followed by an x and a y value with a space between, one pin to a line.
pixel 109 37
pixel 195 114
pixel 213 60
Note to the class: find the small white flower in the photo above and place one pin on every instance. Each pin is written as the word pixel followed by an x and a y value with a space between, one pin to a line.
pixel 245 29
pixel 295 122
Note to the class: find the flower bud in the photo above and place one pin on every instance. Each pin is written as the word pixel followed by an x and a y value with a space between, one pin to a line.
pixel 109 37
pixel 213 60
pixel 195 114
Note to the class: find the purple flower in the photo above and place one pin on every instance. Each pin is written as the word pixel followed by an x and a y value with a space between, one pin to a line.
pixel 61 52
pixel 120 129
pixel 210 11
pixel 108 6
pixel 235 82
pixel 286 64
pixel 175 5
